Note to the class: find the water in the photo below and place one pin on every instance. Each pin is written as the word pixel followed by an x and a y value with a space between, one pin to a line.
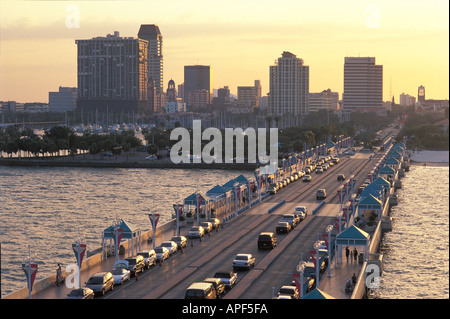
pixel 47 207
pixel 417 249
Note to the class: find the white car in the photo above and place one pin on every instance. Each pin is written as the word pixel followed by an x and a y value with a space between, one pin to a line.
pixel 301 211
pixel 196 232
pixel 121 275
pixel 170 245
pixel 244 261
pixel 149 257
pixel 162 253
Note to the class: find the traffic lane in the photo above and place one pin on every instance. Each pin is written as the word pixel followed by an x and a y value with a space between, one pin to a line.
pixel 280 271
pixel 223 261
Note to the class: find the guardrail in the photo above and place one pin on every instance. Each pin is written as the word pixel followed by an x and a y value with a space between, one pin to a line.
pixel 274 208
pixel 315 210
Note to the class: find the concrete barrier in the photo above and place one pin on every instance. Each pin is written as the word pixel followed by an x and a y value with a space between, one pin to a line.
pixel 274 208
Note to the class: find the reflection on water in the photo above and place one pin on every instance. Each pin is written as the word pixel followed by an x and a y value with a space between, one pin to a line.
pixel 417 249
pixel 46 207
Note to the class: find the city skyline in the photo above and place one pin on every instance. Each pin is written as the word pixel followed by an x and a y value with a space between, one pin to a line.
pixel 38 51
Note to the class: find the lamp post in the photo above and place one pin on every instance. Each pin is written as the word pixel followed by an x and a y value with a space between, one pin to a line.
pixel 328 230
pixel 316 246
pixel 30 268
pixel 79 248
pixel 300 269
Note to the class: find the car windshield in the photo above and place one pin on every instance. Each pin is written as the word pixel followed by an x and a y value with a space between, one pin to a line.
pixel 145 255
pixel 76 293
pixel 287 291
pixel 195 293
pixel 195 228
pixel 264 237
pixel 131 261
pixel 159 250
pixel 95 280
pixel 176 238
pixel 117 271
pixel 222 275
pixel 241 258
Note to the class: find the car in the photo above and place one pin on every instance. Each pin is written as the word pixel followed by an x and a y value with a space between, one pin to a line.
pixel 325 167
pixel 295 176
pixel 162 253
pixel 267 240
pixel 283 228
pixel 181 241
pixel 292 178
pixel 335 160
pixel 136 264
pixel 200 290
pixel 280 185
pixel 307 178
pixel 81 293
pixel 101 282
pixel 207 226
pixel 149 257
pixel 218 284
pixel 321 194
pixel 120 275
pixel 196 232
pixel 290 218
pixel 228 278
pixel 171 246
pixel 151 158
pixel 319 170
pixel 340 177
pixel 215 222
pixel 291 291
pixel 272 190
pixel 243 261
pixel 301 211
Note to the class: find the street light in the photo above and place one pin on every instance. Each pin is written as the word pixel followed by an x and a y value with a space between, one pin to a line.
pixel 316 247
pixel 328 230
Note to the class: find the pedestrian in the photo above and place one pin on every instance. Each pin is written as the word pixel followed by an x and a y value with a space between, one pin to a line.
pixel 351 256
pixel 355 255
pixel 58 275
pixel 354 279
pixel 347 252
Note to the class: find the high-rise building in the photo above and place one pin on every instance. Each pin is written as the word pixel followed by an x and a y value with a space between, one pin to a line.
pixel 198 85
pixel 112 74
pixel 249 95
pixel 363 84
pixel 289 86
pixel 152 34
pixel 406 99
pixel 62 101
pixel 325 100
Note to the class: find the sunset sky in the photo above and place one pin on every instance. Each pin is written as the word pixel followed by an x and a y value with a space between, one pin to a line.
pixel 239 39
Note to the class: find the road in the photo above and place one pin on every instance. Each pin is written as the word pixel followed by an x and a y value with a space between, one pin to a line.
pixel 273 268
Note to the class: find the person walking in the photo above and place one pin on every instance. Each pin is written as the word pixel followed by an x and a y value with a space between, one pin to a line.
pixel 347 252
pixel 58 275
pixel 351 256
pixel 355 255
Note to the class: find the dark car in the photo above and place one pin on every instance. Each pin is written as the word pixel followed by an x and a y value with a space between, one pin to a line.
pixel 267 240
pixel 81 293
pixel 101 282
pixel 283 228
pixel 136 264
pixel 341 177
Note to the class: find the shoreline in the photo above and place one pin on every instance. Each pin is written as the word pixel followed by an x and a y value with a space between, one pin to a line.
pixel 429 158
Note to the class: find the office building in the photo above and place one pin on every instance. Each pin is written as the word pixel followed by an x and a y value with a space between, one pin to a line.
pixel 249 95
pixel 112 74
pixel 289 86
pixel 363 84
pixel 325 100
pixel 152 34
pixel 198 85
pixel 407 100
pixel 64 100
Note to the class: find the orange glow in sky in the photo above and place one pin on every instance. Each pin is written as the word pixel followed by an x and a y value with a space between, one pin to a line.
pixel 239 39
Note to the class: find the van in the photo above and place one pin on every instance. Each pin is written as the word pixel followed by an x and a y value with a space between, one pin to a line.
pixel 201 290
pixel 267 240
pixel 321 194
pixel 135 264
pixel 101 282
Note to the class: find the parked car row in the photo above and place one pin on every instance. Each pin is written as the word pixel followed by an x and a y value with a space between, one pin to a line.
pixel 277 186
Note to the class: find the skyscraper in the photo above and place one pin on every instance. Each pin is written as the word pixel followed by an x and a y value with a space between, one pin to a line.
pixel 151 33
pixel 198 85
pixel 363 84
pixel 289 86
pixel 112 74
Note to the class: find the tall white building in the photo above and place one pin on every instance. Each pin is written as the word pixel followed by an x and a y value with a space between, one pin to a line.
pixel 289 86
pixel 406 99
pixel 363 84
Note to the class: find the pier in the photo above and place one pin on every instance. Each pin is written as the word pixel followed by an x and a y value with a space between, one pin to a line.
pixel 245 209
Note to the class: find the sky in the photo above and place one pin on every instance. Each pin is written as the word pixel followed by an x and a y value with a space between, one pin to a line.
pixel 239 39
